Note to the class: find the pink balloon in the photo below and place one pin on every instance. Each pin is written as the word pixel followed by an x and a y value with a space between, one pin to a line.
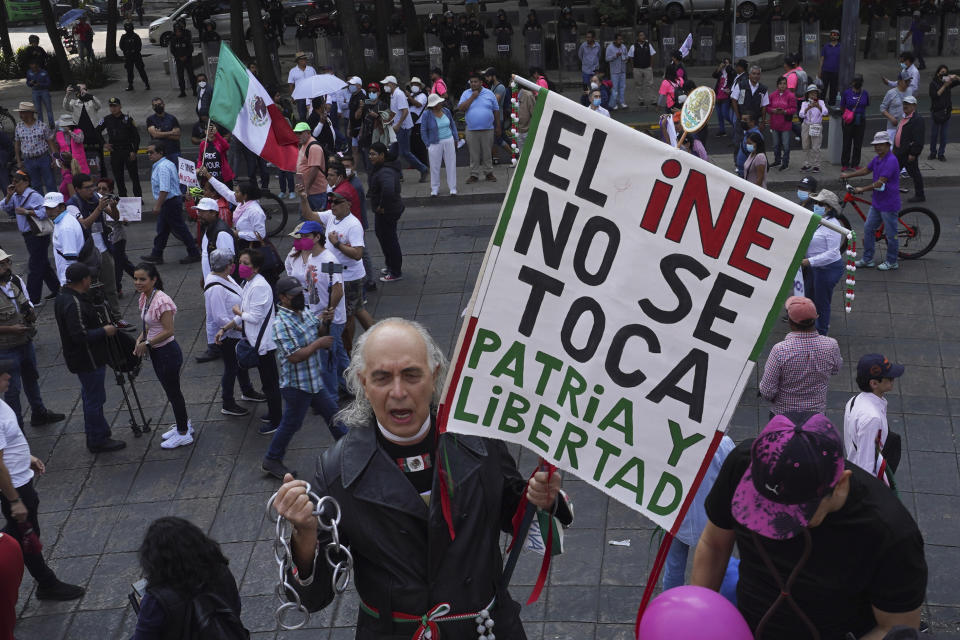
pixel 692 613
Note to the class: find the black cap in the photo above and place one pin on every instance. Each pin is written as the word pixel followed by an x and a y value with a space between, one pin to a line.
pixel 114 101
pixel 874 366
pixel 77 272
pixel 809 183
pixel 289 286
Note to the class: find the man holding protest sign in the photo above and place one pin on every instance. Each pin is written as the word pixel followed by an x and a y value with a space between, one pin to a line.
pixel 387 473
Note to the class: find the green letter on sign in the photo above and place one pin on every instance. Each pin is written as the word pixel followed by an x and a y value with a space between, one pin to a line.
pixel 486 341
pixel 655 506
pixel 618 478
pixel 511 420
pixel 511 364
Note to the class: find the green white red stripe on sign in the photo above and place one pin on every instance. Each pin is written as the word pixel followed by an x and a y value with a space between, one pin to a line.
pixel 242 105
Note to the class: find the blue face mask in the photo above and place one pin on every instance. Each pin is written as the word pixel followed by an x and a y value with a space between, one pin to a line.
pixel 802 195
pixel 751 148
pixel 819 209
pixel 903 65
pixel 596 102
pixel 373 94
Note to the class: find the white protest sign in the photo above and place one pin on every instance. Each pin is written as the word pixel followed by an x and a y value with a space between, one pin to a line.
pixel 623 300
pixel 188 172
pixel 130 209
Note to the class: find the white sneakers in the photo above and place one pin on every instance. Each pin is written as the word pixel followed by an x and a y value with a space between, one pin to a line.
pixel 172 438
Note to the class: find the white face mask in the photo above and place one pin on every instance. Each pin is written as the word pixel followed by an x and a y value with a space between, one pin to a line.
pixel 202 84
pixel 414 89
pixel 349 173
pixel 387 89
pixel 594 85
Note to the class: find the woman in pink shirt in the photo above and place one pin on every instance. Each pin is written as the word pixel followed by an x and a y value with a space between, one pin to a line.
pixel 783 104
pixel 213 156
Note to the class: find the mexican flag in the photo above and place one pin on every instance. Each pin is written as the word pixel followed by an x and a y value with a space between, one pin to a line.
pixel 242 105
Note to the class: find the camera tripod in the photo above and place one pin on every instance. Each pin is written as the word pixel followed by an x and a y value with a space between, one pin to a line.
pixel 120 358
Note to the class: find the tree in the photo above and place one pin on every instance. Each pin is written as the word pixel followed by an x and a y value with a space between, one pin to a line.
pixel 352 49
pixel 53 31
pixel 113 16
pixel 237 37
pixel 264 64
pixel 4 33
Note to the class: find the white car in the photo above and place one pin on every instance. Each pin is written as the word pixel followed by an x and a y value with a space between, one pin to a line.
pixel 676 9
pixel 161 30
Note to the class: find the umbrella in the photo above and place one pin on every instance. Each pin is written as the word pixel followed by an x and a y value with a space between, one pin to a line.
pixel 318 85
pixel 70 17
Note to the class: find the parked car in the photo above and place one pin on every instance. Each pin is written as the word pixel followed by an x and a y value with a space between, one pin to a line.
pixel 195 12
pixel 676 9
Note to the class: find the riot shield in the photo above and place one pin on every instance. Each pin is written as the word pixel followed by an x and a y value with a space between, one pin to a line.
pixel 369 44
pixel 904 41
pixel 778 36
pixel 504 45
pixel 567 43
pixel 931 37
pixel 706 47
pixel 211 55
pixel 668 42
pixel 434 51
pixel 399 59
pixel 811 44
pixel 533 45
pixel 951 29
pixel 741 41
pixel 309 47
pixel 330 49
pixel 879 38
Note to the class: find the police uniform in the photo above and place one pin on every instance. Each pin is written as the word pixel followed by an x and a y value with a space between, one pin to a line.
pixel 182 49
pixel 124 140
pixel 131 45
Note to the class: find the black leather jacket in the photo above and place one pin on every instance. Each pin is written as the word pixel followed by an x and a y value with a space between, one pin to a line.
pixel 404 559
pixel 81 332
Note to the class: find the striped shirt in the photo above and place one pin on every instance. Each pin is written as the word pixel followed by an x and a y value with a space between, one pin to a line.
pixel 798 371
pixel 293 331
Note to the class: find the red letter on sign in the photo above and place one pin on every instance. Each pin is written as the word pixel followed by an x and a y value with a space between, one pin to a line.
pixel 694 194
pixel 749 236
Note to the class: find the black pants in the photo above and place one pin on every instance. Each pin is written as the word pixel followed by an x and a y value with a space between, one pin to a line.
pixel 167 361
pixel 830 82
pixel 120 160
pixel 188 67
pixel 121 263
pixel 913 170
pixel 852 143
pixel 135 60
pixel 39 269
pixel 34 562
pixel 386 230
pixel 231 370
pixel 270 379
pixel 256 164
pixel 449 55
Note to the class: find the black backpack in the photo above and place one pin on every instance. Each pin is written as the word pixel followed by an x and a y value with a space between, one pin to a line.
pixel 206 616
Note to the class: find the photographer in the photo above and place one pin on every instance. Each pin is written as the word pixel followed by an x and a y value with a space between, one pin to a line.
pixel 117 235
pixel 84 342
pixel 17 328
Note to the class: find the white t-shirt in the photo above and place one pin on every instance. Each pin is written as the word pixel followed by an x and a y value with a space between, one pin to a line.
pixel 315 281
pixel 297 74
pixel 218 301
pixel 399 102
pixel 224 243
pixel 421 100
pixel 67 241
pixel 16 451
pixel 350 231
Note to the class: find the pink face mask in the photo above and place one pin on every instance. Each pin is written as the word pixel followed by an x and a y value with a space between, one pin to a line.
pixel 245 271
pixel 303 244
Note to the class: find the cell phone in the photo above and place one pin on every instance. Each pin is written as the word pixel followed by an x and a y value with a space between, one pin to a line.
pixel 298 181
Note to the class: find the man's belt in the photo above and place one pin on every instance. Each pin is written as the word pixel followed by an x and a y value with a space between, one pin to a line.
pixel 427 629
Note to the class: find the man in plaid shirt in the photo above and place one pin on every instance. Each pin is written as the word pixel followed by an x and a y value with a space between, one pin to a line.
pixel 798 369
pixel 300 346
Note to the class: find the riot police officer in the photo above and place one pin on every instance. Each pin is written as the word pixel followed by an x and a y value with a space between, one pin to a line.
pixel 130 45
pixel 450 37
pixel 181 47
pixel 124 142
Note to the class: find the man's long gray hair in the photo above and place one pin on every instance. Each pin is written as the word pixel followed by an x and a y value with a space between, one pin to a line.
pixel 359 413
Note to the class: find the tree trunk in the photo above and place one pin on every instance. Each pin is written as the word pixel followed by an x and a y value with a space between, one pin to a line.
pixel 384 9
pixel 59 54
pixel 352 49
pixel 113 16
pixel 5 45
pixel 264 64
pixel 238 40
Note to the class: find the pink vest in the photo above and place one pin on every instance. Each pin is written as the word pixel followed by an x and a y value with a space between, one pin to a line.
pixel 67 143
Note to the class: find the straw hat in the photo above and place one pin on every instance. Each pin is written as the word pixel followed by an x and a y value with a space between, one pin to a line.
pixel 26 106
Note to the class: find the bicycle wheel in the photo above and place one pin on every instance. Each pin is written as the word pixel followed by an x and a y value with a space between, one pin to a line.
pixel 918 232
pixel 276 212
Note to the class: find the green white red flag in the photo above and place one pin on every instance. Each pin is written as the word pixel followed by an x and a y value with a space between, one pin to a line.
pixel 242 105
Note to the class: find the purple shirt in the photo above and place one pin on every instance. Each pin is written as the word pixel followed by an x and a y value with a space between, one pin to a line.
pixel 886 167
pixel 831 57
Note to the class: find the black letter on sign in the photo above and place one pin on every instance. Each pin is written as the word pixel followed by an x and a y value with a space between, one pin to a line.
pixel 615 354
pixel 577 309
pixel 712 310
pixel 594 226
pixel 552 147
pixel 669 267
pixel 590 168
pixel 538 215
pixel 540 283
pixel 698 361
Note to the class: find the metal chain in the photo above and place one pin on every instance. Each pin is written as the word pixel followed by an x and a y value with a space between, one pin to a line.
pixel 337 556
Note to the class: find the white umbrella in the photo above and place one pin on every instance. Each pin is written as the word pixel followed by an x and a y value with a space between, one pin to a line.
pixel 319 85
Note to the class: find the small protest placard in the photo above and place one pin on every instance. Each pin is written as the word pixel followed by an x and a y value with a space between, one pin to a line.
pixel 188 172
pixel 130 209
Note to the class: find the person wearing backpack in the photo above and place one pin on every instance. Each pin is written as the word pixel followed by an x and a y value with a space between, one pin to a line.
pixel 191 592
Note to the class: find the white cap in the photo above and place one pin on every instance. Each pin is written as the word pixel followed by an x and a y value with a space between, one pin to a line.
pixel 881 137
pixel 355 80
pixel 53 199
pixel 910 100
pixel 389 79
pixel 208 204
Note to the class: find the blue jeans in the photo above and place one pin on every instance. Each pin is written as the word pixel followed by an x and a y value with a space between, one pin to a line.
pixel 39 269
pixel 819 283
pixel 41 100
pixel 286 182
pixel 335 361
pixel 619 86
pixel 170 221
pixel 938 137
pixel 167 361
pixel 26 375
pixel 296 402
pixel 403 143
pixel 781 146
pixel 41 175
pixel 724 114
pixel 674 571
pixel 94 396
pixel 874 218
pixel 586 78
pixel 232 371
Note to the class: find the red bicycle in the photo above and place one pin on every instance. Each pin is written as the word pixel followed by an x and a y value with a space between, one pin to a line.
pixel 918 229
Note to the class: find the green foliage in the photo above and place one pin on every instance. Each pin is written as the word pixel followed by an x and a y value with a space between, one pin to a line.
pixel 9 67
pixel 94 73
pixel 617 13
